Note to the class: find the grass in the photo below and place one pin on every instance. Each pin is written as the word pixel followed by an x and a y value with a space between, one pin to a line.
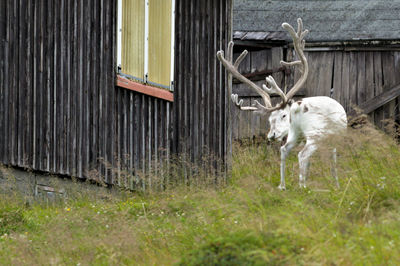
pixel 246 222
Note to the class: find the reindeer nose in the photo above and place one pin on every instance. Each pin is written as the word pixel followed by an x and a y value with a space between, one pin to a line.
pixel 271 136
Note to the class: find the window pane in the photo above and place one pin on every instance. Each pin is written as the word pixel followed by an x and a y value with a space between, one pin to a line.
pixel 132 61
pixel 160 42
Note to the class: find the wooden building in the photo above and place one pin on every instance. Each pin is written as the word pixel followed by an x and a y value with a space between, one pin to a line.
pixel 353 51
pixel 66 108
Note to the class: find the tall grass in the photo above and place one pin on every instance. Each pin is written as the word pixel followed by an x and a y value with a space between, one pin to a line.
pixel 245 222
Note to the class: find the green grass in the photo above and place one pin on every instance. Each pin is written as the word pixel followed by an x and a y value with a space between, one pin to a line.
pixel 246 222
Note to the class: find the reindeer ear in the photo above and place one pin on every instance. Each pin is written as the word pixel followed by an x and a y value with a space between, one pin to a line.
pixel 291 101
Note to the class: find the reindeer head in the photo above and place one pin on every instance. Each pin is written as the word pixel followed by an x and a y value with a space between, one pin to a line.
pixel 279 124
pixel 279 114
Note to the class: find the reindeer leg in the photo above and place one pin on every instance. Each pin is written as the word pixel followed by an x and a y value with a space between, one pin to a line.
pixel 304 161
pixel 334 170
pixel 285 150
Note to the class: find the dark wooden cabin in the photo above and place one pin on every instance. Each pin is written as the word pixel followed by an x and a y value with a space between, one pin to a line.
pixel 353 51
pixel 64 108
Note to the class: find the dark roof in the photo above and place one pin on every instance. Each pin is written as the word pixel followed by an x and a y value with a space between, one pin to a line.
pixel 259 35
pixel 342 20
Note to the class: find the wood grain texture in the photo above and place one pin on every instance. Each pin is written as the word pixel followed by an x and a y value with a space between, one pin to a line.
pixel 380 100
pixel 63 113
pixel 359 78
pixel 200 99
pixel 52 98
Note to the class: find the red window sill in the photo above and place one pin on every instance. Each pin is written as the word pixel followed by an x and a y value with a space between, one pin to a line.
pixel 145 89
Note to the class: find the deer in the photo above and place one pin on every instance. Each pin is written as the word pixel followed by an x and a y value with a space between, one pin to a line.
pixel 311 119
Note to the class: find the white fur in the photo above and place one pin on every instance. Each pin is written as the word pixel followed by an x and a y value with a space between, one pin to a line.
pixel 312 118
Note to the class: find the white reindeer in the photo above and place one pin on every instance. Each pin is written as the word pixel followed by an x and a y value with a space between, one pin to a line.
pixel 311 118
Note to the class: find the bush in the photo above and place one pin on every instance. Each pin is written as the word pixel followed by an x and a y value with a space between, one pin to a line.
pixel 245 248
pixel 11 219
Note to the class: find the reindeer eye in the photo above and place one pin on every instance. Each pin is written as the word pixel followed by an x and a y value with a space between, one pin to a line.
pixel 283 116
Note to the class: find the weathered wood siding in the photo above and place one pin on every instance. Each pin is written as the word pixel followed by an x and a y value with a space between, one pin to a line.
pixel 351 77
pixel 200 96
pixel 60 109
pixel 2 62
pixel 57 93
pixel 248 124
pixel 355 77
pixel 143 137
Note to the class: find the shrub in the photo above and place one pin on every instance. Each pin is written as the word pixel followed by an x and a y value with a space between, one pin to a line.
pixel 245 248
pixel 11 219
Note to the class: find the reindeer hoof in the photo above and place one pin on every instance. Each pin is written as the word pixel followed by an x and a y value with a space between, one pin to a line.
pixel 302 185
pixel 282 187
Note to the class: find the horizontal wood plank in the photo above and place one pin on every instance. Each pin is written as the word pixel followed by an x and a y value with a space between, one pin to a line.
pixel 380 100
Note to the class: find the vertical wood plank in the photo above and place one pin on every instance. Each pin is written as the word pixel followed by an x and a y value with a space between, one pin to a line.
pixel 156 136
pixel 276 57
pixel 86 89
pixel 345 80
pixel 369 76
pixel 397 81
pixel 195 83
pixel 202 78
pixel 56 84
pixel 143 120
pixel 67 91
pixel 220 89
pixel 41 89
pixel 132 143
pixel 3 73
pixel 137 139
pixel 35 87
pixel 378 77
pixel 95 87
pixel 325 74
pixel 110 18
pixel 49 85
pixel 80 89
pixel 125 141
pixel 361 70
pixel 119 116
pixel 102 72
pixel 149 139
pixel 337 76
pixel 21 83
pixel 208 82
pixel 310 86
pixel 353 75
pixel 12 130
pixel 28 79
pixel 389 76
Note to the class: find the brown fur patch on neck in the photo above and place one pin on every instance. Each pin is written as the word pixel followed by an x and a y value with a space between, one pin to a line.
pixel 281 105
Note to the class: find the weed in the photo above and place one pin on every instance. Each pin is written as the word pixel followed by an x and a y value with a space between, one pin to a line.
pixel 245 248
pixel 246 221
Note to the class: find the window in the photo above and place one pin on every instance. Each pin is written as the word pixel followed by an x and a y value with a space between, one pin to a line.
pixel 146 41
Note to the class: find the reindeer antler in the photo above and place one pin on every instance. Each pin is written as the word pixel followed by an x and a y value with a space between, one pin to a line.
pixel 232 68
pixel 298 44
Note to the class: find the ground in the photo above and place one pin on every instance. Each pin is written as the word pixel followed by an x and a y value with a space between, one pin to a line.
pixel 246 221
